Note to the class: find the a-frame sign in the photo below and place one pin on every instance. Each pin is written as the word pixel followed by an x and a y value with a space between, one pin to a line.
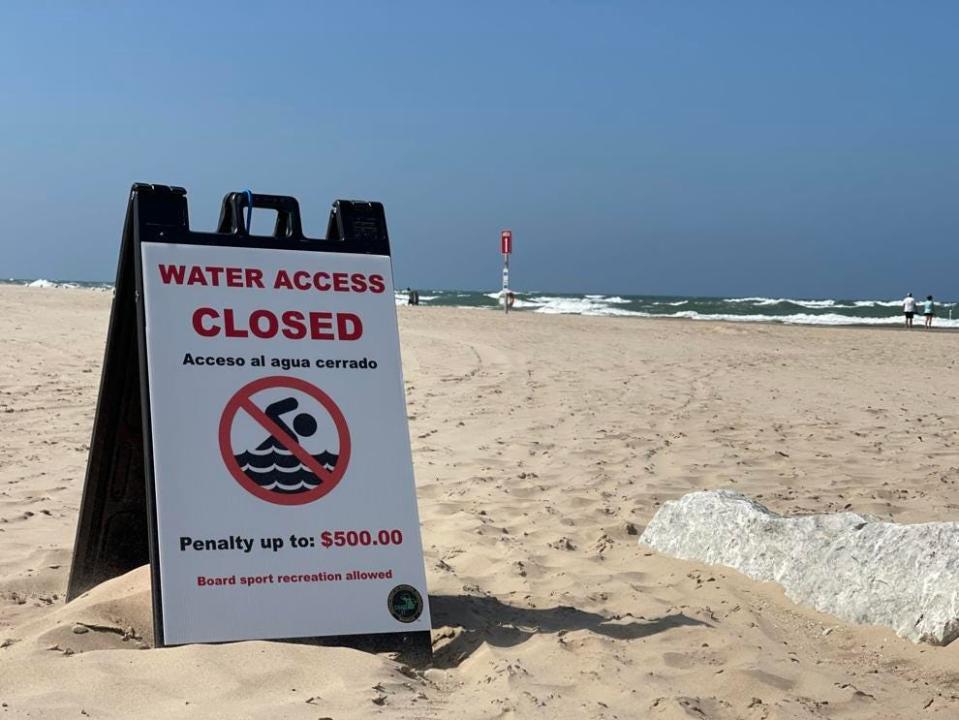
pixel 251 438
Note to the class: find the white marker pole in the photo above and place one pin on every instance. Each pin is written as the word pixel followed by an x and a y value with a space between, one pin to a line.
pixel 506 247
pixel 505 292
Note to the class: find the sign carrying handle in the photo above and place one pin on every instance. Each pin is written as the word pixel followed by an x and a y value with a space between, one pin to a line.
pixel 249 208
pixel 288 223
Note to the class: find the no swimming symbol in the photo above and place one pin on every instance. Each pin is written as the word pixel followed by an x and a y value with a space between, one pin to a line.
pixel 279 469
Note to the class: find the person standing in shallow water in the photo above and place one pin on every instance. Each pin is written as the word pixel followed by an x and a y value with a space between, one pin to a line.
pixel 909 308
pixel 928 311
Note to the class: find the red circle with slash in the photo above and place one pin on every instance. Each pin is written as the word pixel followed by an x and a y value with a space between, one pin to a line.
pixel 241 400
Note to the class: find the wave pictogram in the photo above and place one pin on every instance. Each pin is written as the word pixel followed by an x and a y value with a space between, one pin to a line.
pixel 280 470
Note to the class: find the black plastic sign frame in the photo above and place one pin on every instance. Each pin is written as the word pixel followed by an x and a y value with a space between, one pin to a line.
pixel 117 529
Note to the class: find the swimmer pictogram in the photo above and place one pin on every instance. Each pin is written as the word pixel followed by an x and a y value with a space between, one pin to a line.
pixel 293 464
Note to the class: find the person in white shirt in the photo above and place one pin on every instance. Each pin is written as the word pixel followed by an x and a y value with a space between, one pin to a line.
pixel 909 308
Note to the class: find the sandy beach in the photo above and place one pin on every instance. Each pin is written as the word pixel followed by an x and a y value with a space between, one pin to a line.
pixel 542 446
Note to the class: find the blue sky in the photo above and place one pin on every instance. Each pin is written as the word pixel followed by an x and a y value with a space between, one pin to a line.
pixel 773 148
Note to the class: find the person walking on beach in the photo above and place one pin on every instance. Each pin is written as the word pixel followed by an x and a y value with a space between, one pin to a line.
pixel 909 308
pixel 928 310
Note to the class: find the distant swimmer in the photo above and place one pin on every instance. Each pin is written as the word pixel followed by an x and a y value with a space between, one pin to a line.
pixel 928 310
pixel 909 308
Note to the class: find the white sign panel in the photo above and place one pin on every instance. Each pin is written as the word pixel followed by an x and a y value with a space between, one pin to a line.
pixel 284 491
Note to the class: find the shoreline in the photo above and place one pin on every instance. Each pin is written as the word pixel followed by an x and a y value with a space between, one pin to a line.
pixel 402 307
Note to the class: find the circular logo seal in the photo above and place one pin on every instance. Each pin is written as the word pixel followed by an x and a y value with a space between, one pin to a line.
pixel 405 603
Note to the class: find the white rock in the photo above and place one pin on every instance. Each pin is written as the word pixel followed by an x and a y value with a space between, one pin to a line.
pixel 852 566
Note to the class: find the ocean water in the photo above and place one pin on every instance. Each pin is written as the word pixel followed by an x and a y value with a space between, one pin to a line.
pixel 789 311
pixel 53 284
